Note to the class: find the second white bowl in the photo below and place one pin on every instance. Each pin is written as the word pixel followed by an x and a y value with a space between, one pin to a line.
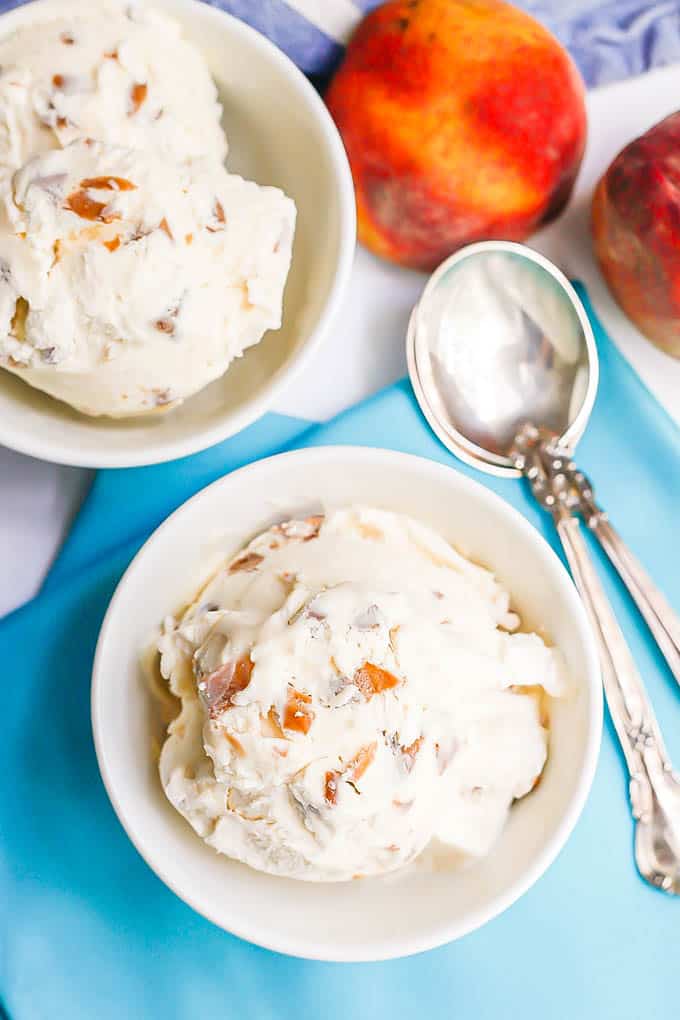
pixel 371 919
pixel 279 133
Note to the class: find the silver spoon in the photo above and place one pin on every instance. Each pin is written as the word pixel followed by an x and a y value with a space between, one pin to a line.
pixel 504 366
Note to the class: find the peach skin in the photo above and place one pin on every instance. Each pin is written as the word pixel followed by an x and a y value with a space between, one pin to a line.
pixel 636 232
pixel 463 120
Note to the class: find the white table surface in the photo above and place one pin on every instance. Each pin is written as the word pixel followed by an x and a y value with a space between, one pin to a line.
pixel 365 350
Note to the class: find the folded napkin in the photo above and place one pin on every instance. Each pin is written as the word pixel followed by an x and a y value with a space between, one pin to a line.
pixel 608 39
pixel 87 930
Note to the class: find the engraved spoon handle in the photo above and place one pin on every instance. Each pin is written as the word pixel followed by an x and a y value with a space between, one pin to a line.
pixel 661 618
pixel 651 799
pixel 628 701
pixel 654 790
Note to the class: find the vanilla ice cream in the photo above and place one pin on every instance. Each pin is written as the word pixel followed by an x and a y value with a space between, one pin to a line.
pixel 118 73
pixel 129 282
pixel 351 691
pixel 133 267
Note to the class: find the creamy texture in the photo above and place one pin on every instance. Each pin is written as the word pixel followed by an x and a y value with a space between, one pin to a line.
pixel 130 282
pixel 133 267
pixel 112 76
pixel 350 693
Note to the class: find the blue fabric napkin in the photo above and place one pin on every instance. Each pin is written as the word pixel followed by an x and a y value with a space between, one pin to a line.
pixel 608 39
pixel 89 931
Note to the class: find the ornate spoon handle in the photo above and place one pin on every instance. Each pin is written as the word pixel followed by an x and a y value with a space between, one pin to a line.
pixel 653 796
pixel 659 615
pixel 654 792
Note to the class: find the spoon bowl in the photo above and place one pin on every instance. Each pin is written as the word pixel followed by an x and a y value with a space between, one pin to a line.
pixel 498 338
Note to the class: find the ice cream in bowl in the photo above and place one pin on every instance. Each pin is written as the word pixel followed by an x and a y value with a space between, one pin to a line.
pixel 159 296
pixel 353 685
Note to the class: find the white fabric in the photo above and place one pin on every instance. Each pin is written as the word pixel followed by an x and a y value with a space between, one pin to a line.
pixel 37 503
pixel 336 18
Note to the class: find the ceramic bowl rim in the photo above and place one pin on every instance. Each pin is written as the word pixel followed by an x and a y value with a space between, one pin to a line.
pixel 44 447
pixel 399 945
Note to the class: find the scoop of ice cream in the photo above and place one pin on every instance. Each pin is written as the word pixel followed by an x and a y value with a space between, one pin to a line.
pixel 350 692
pixel 128 282
pixel 111 75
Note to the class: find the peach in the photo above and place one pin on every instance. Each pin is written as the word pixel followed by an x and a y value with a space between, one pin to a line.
pixel 636 232
pixel 462 119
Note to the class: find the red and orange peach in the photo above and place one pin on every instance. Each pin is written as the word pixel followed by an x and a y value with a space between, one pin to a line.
pixel 636 232
pixel 462 120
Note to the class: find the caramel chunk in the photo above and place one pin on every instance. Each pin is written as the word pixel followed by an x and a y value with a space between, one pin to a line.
pixel 330 789
pixel 302 530
pixel 270 725
pixel 165 227
pixel 218 213
pixel 248 561
pixel 108 184
pixel 361 760
pixel 297 715
pixel 314 524
pixel 236 745
pixel 137 96
pixel 88 208
pixel 18 323
pixel 354 770
pixel 371 679
pixel 217 690
pixel 409 753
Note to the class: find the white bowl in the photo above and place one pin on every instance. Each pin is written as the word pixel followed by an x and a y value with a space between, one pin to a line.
pixel 371 919
pixel 279 133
